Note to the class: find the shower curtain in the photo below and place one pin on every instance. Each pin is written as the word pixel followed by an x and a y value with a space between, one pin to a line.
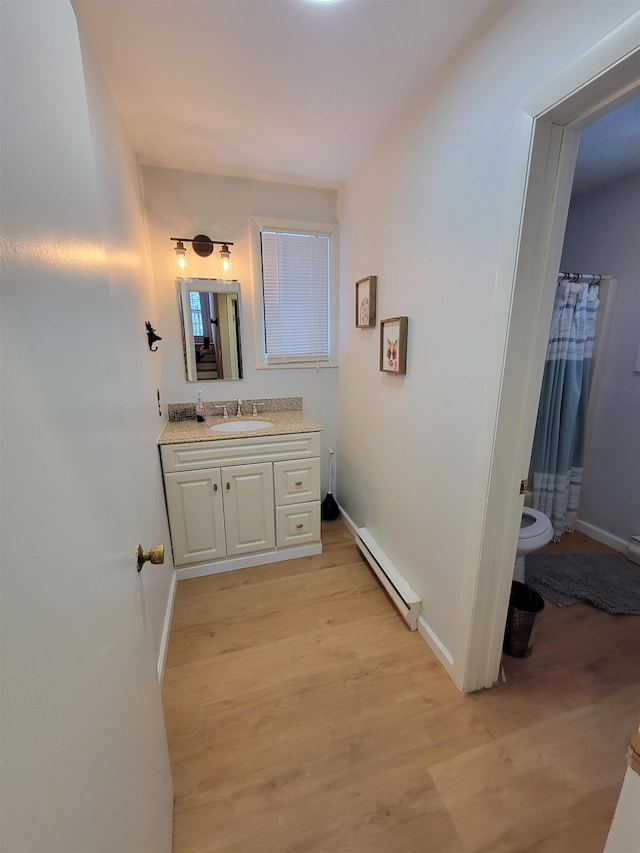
pixel 558 447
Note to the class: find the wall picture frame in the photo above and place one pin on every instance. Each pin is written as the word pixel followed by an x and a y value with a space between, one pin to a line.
pixel 366 302
pixel 393 345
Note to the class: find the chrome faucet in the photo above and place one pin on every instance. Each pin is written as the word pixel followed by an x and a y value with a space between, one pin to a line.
pixel 239 410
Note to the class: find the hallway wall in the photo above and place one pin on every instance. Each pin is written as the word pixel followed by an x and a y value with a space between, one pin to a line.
pixel 602 237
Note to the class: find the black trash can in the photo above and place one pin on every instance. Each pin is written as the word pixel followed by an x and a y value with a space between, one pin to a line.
pixel 524 606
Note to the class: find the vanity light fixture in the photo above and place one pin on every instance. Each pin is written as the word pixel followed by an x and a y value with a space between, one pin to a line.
pixel 203 246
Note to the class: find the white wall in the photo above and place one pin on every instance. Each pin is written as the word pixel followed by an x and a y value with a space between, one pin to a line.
pixel 602 237
pixel 183 204
pixel 427 213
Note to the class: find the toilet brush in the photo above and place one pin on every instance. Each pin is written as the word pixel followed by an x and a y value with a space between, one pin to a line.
pixel 329 506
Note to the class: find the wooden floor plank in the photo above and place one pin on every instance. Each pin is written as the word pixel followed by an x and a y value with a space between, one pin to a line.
pixel 303 715
pixel 529 786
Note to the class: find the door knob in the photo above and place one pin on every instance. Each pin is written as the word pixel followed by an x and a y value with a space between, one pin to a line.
pixel 154 555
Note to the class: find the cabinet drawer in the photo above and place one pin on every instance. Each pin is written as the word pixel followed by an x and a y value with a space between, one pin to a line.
pixel 196 455
pixel 297 524
pixel 297 481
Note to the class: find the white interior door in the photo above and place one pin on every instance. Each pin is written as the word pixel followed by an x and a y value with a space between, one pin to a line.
pixel 84 765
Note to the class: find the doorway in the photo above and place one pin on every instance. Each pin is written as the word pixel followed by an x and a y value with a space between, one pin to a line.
pixel 606 75
pixel 601 233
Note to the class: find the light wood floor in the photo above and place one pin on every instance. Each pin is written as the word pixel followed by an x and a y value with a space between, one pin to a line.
pixel 303 715
pixel 577 542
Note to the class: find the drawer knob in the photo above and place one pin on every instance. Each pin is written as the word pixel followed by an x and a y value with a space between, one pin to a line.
pixel 298 526
pixel 298 482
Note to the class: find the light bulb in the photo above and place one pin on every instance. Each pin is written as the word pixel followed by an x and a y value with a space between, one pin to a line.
pixel 225 268
pixel 181 255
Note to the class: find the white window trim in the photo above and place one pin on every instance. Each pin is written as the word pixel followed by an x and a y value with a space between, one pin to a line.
pixel 256 223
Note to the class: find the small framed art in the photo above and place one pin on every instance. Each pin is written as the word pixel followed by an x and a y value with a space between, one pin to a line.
pixel 366 302
pixel 393 344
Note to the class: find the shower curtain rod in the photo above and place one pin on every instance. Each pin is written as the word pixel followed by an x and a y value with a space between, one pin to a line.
pixel 581 278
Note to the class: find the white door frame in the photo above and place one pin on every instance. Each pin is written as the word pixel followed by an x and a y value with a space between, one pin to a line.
pixel 547 141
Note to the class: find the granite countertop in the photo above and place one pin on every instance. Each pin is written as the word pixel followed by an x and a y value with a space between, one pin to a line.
pixel 286 422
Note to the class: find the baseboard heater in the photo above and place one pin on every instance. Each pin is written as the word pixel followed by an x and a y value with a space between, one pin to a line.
pixel 403 596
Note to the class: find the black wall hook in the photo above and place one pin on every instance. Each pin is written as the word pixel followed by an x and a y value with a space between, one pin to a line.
pixel 151 334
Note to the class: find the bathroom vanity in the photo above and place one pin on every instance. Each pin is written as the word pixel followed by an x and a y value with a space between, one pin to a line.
pixel 245 497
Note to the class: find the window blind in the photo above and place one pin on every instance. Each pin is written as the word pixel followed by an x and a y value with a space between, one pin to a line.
pixel 295 281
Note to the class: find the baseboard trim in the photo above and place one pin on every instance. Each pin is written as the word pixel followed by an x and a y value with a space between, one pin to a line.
pixel 436 645
pixel 602 536
pixel 166 628
pixel 231 564
pixel 348 521
pixel 428 635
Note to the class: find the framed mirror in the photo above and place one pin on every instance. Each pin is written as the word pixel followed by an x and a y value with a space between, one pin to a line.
pixel 210 321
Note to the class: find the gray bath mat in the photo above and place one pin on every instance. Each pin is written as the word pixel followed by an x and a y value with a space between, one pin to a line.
pixel 608 581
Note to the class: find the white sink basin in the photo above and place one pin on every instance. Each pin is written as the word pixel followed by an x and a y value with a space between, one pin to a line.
pixel 241 426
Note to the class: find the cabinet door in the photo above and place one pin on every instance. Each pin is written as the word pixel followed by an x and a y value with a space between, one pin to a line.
pixel 248 508
pixel 196 516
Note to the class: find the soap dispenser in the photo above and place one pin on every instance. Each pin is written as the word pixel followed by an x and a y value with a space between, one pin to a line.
pixel 199 408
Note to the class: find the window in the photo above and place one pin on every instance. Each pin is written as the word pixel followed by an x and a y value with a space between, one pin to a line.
pixel 196 314
pixel 294 268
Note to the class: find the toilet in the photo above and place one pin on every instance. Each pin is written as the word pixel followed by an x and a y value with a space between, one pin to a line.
pixel 535 531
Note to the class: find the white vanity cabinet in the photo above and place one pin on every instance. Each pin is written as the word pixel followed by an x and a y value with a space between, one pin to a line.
pixel 233 498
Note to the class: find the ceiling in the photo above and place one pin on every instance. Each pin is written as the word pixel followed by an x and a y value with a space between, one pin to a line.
pixel 293 90
pixel 609 148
